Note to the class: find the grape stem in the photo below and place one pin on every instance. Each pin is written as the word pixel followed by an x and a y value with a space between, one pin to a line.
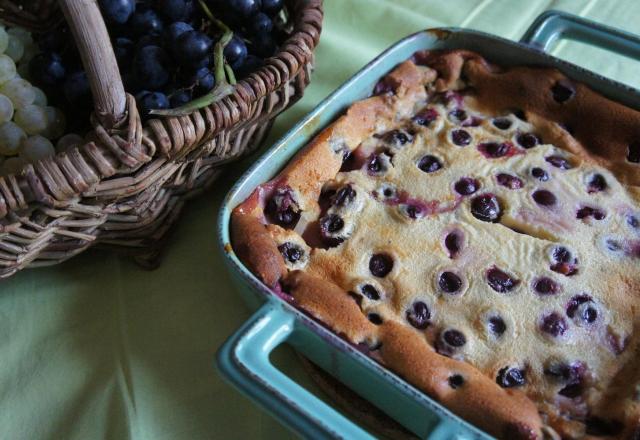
pixel 223 73
pixel 230 74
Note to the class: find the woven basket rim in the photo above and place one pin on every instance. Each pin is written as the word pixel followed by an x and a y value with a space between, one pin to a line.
pixel 294 53
pixel 298 28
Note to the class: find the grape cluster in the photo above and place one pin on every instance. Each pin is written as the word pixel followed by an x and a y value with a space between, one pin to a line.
pixel 164 48
pixel 28 125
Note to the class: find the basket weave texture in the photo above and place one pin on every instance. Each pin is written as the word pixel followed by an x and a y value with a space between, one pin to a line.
pixel 125 187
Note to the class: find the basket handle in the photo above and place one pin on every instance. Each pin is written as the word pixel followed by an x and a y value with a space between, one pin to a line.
pixel 92 39
pixel 551 26
pixel 244 361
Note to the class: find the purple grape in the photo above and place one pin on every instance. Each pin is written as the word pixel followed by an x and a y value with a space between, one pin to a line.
pixel 461 137
pixel 456 381
pixel 244 8
pixel 145 21
pixel 425 116
pixel 282 209
pixel 511 377
pixel 117 11
pixel 486 207
pixel 46 69
pixel 370 292
pixel 596 183
pixel 419 315
pixel 559 162
pixel 540 174
pixel 497 326
pixel 261 24
pixel 527 140
pixel 331 224
pixel 272 7
pixel 344 196
pixel 173 10
pixel 203 80
pixel 466 186
pixel 291 252
pixel 172 33
pixel 77 90
pixel 151 67
pixel 380 265
pixel 449 282
pixel 553 324
pixel 429 164
pixel 500 281
pixel 453 243
pixel 191 47
pixel 147 101
pixel 502 123
pixel 544 197
pixel 124 49
pixel 235 52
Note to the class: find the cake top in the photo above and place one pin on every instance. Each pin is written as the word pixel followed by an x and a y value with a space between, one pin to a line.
pixel 465 224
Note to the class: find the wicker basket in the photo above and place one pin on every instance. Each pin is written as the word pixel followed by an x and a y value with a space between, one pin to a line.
pixel 125 188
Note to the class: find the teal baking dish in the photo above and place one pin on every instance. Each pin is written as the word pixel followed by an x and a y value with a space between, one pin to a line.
pixel 244 359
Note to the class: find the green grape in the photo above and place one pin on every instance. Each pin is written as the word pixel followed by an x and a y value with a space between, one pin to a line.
pixel 56 123
pixel 21 34
pixel 6 109
pixel 7 68
pixel 36 148
pixel 41 98
pixel 15 49
pixel 11 136
pixel 4 39
pixel 19 91
pixel 12 165
pixel 31 118
pixel 69 141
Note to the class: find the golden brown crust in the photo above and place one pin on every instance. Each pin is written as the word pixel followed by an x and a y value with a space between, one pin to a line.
pixel 256 248
pixel 251 241
pixel 505 413
pixel 328 303
pixel 478 399
pixel 604 128
pixel 307 171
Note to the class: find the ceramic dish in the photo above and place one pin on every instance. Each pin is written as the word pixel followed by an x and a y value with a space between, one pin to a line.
pixel 244 359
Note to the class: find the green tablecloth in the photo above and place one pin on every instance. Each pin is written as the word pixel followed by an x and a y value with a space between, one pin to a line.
pixel 98 348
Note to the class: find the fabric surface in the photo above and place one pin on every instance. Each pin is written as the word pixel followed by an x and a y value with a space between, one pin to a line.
pixel 99 348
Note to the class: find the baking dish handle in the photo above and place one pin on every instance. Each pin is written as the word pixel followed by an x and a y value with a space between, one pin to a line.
pixel 244 361
pixel 551 26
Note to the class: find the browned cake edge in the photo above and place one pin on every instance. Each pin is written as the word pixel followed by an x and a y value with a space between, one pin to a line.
pixel 504 413
pixel 604 129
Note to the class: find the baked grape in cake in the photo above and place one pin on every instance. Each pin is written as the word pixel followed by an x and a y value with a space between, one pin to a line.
pixel 481 249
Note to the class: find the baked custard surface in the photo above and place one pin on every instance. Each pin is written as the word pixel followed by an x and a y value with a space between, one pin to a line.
pixel 477 230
